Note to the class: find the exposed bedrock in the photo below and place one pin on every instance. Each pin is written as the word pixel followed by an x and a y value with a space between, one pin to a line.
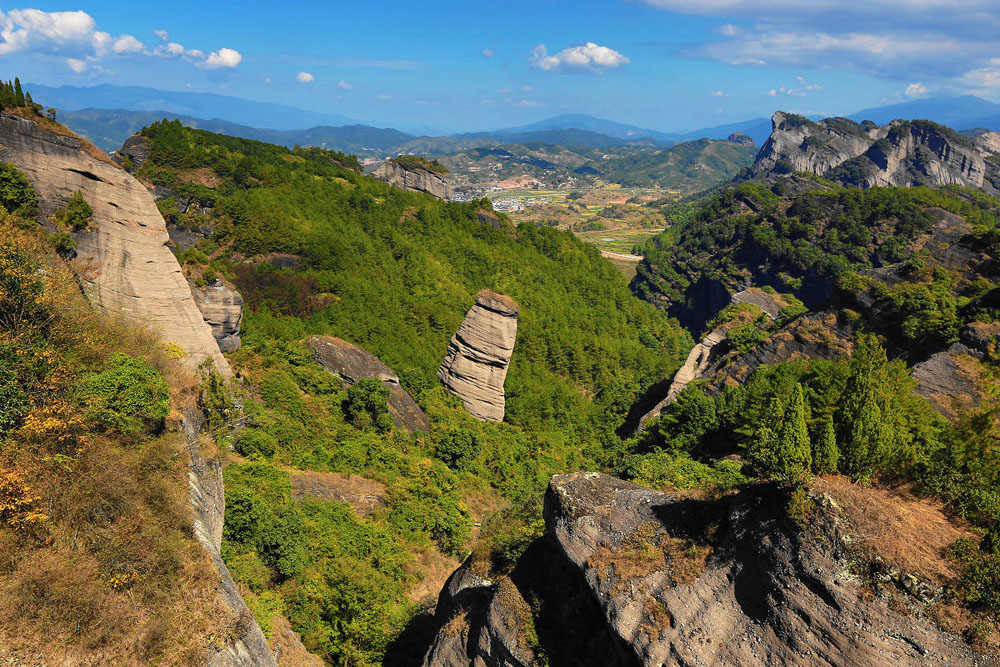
pixel 479 353
pixel 351 363
pixel 222 308
pixel 630 576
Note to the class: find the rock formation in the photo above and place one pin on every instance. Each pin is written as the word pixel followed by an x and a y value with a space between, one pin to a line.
pixel 131 271
pixel 902 153
pixel 351 363
pixel 629 576
pixel 222 308
pixel 412 174
pixel 478 355
pixel 741 139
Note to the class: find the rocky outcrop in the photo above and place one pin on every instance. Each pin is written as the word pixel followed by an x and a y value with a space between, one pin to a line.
pixel 699 360
pixel 222 308
pixel 629 576
pixel 952 380
pixel 133 153
pixel 903 153
pixel 988 143
pixel 128 269
pixel 478 355
pixel 740 139
pixel 351 363
pixel 413 175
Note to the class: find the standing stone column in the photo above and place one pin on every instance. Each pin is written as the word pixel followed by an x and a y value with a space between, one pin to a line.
pixel 479 353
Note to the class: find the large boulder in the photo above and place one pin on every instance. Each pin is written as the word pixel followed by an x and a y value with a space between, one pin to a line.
pixel 129 270
pixel 222 308
pixel 416 174
pixel 626 575
pixel 475 367
pixel 351 363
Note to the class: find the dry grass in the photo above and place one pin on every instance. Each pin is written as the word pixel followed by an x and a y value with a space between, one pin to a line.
pixel 114 575
pixel 909 532
pixel 648 549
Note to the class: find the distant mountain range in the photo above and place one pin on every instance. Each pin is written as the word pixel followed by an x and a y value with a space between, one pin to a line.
pixel 109 114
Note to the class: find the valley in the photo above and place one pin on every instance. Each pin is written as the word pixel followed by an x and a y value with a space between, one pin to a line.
pixel 574 392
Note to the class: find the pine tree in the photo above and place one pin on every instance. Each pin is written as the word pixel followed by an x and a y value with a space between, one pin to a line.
pixel 762 450
pixel 861 432
pixel 825 452
pixel 18 93
pixel 794 455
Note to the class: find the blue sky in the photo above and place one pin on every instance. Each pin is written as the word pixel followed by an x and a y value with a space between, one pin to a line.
pixel 455 66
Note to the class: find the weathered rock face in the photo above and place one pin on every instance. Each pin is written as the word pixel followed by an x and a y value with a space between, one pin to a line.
pixel 900 154
pixel 952 380
pixel 740 138
pixel 648 578
pixel 222 308
pixel 988 143
pixel 131 271
pixel 133 153
pixel 351 363
pixel 416 179
pixel 478 355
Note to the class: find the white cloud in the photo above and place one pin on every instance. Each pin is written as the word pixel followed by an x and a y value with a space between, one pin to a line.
pixel 915 90
pixel 487 53
pixel 589 57
pixel 719 93
pixel 304 77
pixel 385 97
pixel 525 89
pixel 729 30
pixel 224 57
pixel 128 44
pixel 344 85
pixel 74 35
pixel 76 65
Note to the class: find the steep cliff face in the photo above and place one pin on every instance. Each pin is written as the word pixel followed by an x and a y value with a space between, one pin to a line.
pixel 902 153
pixel 479 353
pixel 414 177
pixel 130 271
pixel 351 363
pixel 649 578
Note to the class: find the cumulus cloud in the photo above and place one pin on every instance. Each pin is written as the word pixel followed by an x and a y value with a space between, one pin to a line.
pixel 304 77
pixel 343 85
pixel 74 35
pixel 223 58
pixel 719 93
pixel 128 44
pixel 896 39
pixel 589 57
pixel 915 90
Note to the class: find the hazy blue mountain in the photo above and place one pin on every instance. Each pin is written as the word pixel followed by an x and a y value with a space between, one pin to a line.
pixel 198 105
pixel 591 124
pixel 758 129
pixel 960 112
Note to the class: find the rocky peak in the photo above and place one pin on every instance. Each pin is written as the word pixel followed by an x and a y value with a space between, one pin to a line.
pixel 416 174
pixel 478 355
pixel 626 575
pixel 740 139
pixel 902 153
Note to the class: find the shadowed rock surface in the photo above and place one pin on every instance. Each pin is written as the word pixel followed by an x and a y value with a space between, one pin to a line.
pixel 351 363
pixel 479 353
pixel 653 579
pixel 951 380
pixel 130 270
pixel 222 308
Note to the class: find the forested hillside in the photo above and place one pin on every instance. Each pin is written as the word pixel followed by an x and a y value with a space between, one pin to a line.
pixel 316 248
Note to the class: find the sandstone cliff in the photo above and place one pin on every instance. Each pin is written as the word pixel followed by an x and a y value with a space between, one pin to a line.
pixel 479 353
pixel 629 576
pixel 351 363
pixel 903 153
pixel 412 174
pixel 130 270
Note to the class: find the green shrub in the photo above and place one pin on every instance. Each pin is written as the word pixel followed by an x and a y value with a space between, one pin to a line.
pixel 77 213
pixel 459 449
pixel 15 191
pixel 254 442
pixel 127 397
pixel 367 405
